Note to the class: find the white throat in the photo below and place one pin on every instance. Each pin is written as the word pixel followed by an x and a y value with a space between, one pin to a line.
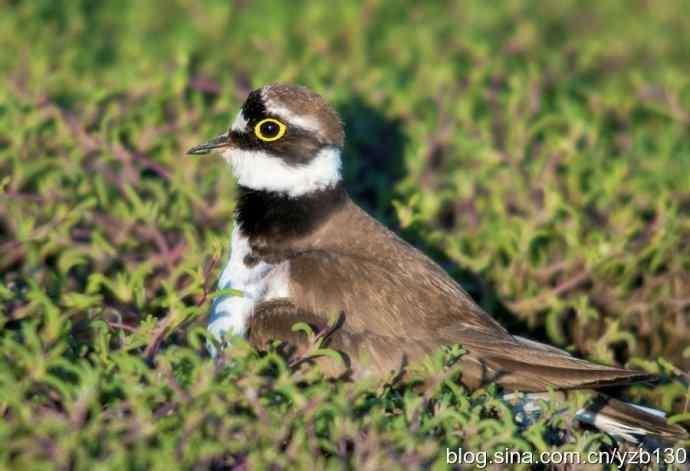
pixel 260 171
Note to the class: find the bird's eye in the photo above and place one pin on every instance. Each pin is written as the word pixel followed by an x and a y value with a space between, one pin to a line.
pixel 269 129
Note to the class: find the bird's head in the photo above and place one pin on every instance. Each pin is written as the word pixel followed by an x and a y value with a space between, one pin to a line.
pixel 285 139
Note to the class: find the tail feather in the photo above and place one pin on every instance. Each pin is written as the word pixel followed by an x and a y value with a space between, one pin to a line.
pixel 630 422
pixel 622 420
pixel 532 367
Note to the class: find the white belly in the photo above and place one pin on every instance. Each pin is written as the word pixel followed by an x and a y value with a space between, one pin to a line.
pixel 261 282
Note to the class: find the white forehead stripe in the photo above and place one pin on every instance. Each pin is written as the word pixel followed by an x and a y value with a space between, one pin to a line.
pixel 276 109
pixel 239 124
pixel 288 117
pixel 260 171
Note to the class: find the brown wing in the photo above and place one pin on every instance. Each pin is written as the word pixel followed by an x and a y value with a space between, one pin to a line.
pixel 362 353
pixel 406 297
pixel 396 309
pixel 523 365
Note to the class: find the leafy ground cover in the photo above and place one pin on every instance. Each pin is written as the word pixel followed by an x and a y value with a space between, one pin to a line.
pixel 539 150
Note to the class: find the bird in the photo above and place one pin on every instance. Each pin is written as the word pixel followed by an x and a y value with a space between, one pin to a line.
pixel 302 250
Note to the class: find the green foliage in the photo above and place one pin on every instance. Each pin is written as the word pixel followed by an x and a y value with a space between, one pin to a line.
pixel 539 150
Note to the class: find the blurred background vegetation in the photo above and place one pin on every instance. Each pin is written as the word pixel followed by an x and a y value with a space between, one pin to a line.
pixel 539 150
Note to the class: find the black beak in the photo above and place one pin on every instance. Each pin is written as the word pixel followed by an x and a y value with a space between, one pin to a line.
pixel 217 142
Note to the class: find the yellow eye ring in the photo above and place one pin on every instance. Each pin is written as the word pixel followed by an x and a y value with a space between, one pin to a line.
pixel 269 130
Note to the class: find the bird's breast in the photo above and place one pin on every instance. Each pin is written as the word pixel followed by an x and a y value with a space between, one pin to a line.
pixel 253 281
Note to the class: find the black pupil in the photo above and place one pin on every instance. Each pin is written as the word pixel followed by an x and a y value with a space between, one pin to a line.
pixel 269 129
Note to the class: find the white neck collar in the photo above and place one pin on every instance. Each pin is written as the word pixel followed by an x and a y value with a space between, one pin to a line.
pixel 261 171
